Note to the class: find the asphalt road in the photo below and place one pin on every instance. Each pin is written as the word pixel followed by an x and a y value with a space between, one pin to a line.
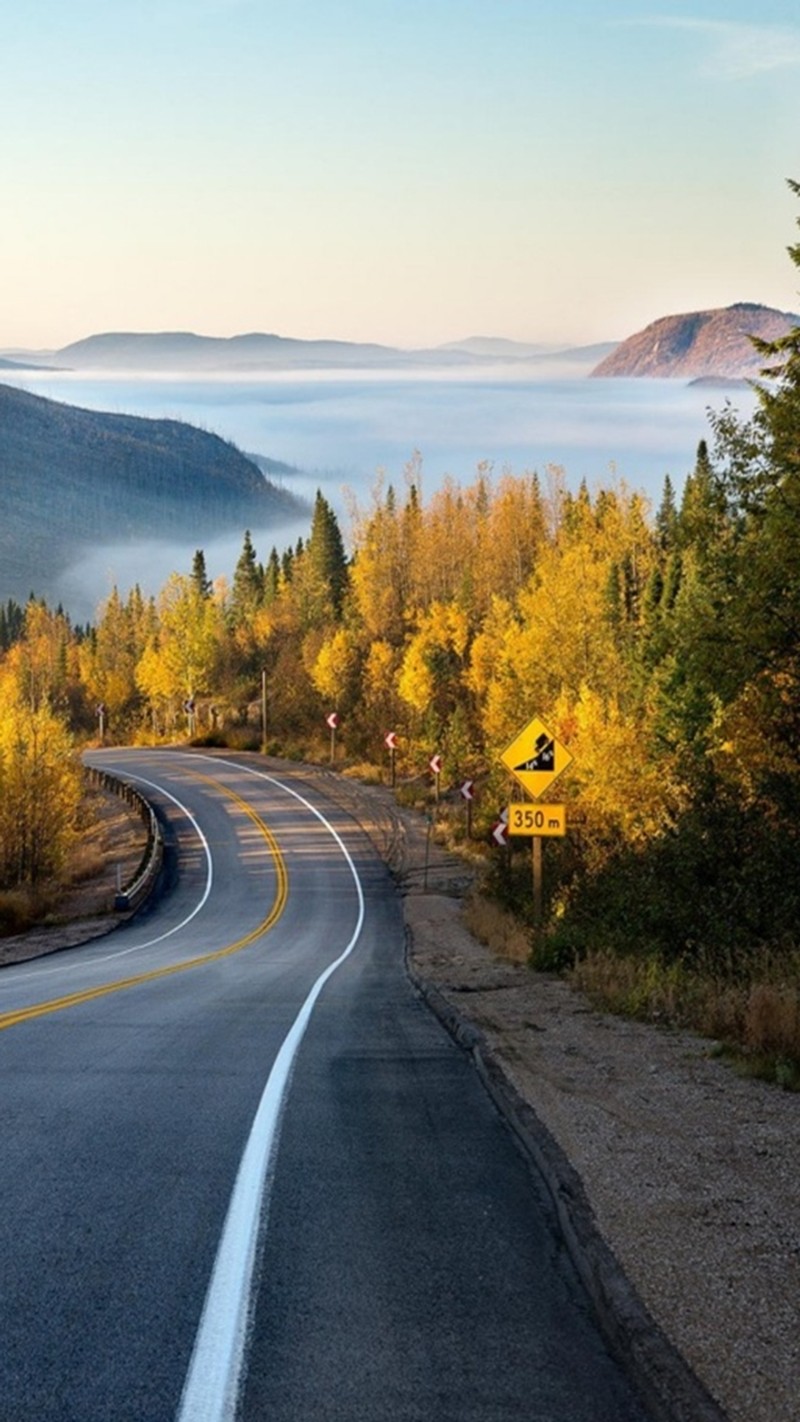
pixel 245 1173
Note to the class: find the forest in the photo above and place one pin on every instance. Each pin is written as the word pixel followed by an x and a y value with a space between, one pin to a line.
pixel 659 645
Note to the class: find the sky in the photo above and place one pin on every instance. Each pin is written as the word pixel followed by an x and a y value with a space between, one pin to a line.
pixel 403 171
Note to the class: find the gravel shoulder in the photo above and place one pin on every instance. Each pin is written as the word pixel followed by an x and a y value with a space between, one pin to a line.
pixel 688 1174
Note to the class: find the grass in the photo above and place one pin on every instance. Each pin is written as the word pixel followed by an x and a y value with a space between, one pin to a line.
pixel 753 1017
pixel 366 773
pixel 23 908
pixel 497 929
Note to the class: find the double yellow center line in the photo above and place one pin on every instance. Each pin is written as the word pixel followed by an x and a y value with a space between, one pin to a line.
pixel 75 999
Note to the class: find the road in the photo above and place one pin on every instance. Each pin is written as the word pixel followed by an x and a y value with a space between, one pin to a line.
pixel 246 1174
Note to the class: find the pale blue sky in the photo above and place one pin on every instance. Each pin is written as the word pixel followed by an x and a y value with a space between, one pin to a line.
pixel 406 171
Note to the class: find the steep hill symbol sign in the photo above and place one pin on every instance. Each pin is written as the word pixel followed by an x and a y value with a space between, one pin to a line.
pixel 536 758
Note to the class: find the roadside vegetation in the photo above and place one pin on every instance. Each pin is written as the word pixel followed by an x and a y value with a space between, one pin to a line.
pixel 661 646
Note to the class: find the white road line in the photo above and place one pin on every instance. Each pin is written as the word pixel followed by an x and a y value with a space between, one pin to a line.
pixel 211 1389
pixel 69 967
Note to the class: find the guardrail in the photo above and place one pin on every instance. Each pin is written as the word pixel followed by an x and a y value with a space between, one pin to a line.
pixel 132 894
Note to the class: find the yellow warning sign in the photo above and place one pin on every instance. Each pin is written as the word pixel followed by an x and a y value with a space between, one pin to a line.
pixel 536 758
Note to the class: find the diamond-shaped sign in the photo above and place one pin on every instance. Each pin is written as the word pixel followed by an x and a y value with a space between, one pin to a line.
pixel 536 758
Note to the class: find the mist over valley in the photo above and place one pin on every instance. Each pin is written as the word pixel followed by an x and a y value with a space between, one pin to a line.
pixel 91 504
pixel 82 489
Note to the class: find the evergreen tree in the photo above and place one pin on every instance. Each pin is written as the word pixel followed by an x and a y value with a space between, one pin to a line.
pixel 703 506
pixel 667 518
pixel 247 584
pixel 272 576
pixel 199 576
pixel 325 555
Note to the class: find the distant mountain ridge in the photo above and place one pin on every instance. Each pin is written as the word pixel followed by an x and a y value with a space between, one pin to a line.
pixel 72 480
pixel 699 344
pixel 12 365
pixel 184 351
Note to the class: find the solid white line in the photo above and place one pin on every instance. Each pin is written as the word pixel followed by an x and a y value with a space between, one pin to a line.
pixel 211 1389
pixel 69 966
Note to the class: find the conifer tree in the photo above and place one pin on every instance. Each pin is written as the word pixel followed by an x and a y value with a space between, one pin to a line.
pixel 325 553
pixel 199 576
pixel 247 583
pixel 667 518
pixel 272 576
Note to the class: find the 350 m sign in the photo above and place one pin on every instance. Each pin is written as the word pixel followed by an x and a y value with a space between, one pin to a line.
pixel 537 819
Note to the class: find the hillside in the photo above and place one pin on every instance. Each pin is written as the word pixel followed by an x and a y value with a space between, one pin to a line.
pixel 72 480
pixel 700 343
pixel 6 364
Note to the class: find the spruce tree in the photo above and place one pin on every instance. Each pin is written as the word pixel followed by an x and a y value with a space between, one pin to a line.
pixel 247 584
pixel 199 576
pixel 272 576
pixel 326 555
pixel 667 518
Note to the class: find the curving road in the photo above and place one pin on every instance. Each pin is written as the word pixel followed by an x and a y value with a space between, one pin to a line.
pixel 244 1172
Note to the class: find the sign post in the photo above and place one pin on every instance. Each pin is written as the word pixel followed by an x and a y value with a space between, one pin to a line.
pixel 468 793
pixel 390 741
pixel 333 721
pixel 536 759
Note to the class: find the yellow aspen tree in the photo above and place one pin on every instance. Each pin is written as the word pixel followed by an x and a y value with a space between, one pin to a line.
pixel 108 658
pixel 434 659
pixel 622 790
pixel 40 789
pixel 179 660
pixel 334 668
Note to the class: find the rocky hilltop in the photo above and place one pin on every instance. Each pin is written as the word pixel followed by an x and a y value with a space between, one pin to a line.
pixel 699 344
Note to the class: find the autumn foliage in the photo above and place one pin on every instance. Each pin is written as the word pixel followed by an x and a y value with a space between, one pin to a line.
pixel 662 646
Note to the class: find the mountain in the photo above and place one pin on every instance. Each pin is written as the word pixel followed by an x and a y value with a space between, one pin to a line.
pixel 6 364
pixel 554 360
pixel 184 351
pixel 498 347
pixel 584 354
pixel 72 480
pixel 700 343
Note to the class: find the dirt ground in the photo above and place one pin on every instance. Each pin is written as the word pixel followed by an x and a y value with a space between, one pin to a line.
pixel 691 1174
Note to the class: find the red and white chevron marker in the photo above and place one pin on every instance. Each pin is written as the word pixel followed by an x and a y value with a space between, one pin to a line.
pixel 500 832
pixel 435 763
pixel 390 740
pixel 332 720
pixel 468 789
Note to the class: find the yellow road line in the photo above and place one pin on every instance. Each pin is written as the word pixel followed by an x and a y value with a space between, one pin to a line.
pixel 74 999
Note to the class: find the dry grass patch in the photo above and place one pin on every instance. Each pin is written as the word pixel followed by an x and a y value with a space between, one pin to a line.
pixel 756 1021
pixel 772 1019
pixel 23 907
pixel 498 929
pixel 366 773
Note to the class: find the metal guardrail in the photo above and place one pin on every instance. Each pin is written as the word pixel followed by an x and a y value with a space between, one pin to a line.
pixel 132 894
